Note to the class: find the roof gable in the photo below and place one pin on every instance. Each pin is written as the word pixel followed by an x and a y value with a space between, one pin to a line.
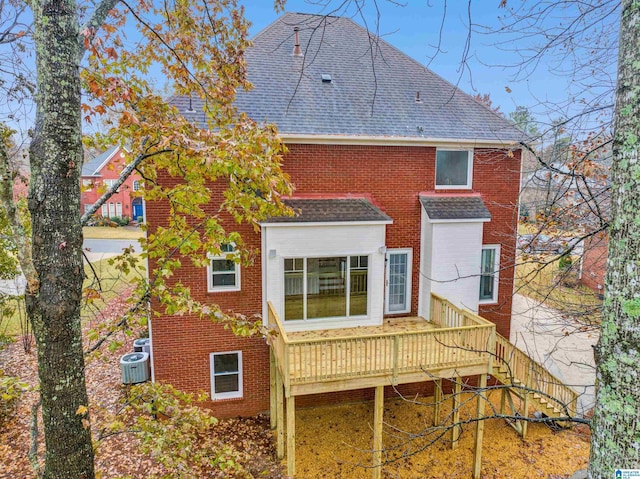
pixel 372 92
pixel 97 163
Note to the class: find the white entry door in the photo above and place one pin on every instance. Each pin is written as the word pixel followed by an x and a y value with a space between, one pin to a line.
pixel 398 281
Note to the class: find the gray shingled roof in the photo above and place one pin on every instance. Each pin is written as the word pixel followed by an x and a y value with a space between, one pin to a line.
pixel 90 168
pixel 320 210
pixel 372 92
pixel 450 207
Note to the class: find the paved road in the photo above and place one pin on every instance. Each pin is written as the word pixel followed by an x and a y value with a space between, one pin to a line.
pixel 556 342
pixel 109 245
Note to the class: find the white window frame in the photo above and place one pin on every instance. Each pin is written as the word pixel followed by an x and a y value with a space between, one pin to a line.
pixel 103 210
pixel 223 289
pixel 496 274
pixel 87 184
pixel 469 184
pixel 136 185
pixel 231 394
pixel 409 253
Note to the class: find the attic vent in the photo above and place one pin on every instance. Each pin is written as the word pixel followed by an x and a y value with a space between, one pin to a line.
pixel 326 78
pixel 190 109
pixel 418 100
pixel 297 51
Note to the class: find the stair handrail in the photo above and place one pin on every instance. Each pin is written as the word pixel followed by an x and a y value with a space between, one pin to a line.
pixel 547 382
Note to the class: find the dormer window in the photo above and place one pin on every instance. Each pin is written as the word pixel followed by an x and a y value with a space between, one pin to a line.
pixel 454 169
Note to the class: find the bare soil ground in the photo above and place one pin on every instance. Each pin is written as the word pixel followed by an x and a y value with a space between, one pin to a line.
pixel 332 442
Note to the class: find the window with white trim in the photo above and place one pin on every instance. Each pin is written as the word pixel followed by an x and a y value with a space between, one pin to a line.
pixel 87 184
pixel 223 271
pixel 103 209
pixel 328 287
pixel 226 375
pixel 454 169
pixel 489 267
pixel 136 185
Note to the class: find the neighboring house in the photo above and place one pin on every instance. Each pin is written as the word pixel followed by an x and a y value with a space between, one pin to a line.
pixel 406 194
pixel 99 174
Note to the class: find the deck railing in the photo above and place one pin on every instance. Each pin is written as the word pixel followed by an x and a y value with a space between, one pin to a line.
pixel 302 361
pixel 533 376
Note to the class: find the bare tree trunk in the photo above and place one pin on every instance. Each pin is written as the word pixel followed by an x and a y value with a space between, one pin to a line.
pixel 615 439
pixel 54 203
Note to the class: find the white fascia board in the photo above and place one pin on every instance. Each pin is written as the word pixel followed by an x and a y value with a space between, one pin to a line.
pixel 105 162
pixel 293 138
pixel 327 223
pixel 460 220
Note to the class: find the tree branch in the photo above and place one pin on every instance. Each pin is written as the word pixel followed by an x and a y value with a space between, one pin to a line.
pixel 94 22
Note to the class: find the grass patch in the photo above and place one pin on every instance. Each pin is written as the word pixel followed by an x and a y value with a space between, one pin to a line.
pixel 110 283
pixel 540 278
pixel 107 232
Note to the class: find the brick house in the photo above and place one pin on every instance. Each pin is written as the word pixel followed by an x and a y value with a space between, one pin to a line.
pixel 406 199
pixel 100 173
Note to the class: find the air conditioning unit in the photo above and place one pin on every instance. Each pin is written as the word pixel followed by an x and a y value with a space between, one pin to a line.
pixel 142 345
pixel 134 368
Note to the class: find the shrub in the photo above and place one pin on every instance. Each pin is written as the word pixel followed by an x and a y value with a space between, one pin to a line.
pixel 11 389
pixel 565 262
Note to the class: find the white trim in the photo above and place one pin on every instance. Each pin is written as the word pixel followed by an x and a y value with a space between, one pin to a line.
pixel 496 274
pixel 228 395
pixel 327 223
pixel 296 138
pixel 222 289
pixel 409 253
pixel 469 184
pixel 96 172
pixel 458 220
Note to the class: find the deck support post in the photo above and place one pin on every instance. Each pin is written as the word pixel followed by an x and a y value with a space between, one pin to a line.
pixel 272 390
pixel 378 413
pixel 477 453
pixel 291 436
pixel 503 399
pixel 455 409
pixel 437 401
pixel 279 416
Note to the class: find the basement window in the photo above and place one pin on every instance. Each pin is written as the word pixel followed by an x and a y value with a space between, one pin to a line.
pixel 226 375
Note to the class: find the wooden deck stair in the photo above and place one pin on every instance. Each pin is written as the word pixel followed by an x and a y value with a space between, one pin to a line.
pixel 529 385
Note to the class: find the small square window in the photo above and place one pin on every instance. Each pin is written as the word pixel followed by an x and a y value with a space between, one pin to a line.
pixel 226 375
pixel 224 272
pixel 454 169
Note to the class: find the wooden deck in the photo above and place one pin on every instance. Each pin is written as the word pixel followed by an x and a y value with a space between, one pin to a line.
pixel 403 350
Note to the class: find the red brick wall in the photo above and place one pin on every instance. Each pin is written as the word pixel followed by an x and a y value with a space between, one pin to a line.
pixel 394 177
pixel 111 171
pixel 594 262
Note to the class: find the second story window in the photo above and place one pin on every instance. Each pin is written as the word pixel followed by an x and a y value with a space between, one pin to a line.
pixel 224 271
pixel 136 185
pixel 454 169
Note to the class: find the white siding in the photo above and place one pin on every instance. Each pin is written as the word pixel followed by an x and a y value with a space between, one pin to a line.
pixel 450 263
pixel 279 242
